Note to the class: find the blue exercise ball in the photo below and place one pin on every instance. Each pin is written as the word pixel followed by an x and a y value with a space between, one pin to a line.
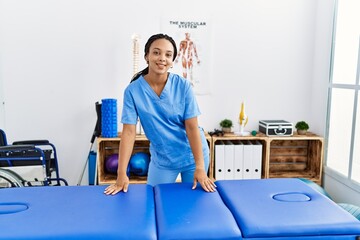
pixel 111 164
pixel 139 163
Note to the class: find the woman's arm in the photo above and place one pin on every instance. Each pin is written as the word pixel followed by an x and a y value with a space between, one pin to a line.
pixel 125 150
pixel 193 133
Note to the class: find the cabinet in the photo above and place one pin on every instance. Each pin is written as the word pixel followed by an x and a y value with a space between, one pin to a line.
pixel 109 146
pixel 299 156
pixel 230 138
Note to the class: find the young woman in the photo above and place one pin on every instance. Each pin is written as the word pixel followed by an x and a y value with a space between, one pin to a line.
pixel 166 106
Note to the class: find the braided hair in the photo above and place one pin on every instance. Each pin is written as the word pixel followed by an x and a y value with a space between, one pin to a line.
pixel 147 49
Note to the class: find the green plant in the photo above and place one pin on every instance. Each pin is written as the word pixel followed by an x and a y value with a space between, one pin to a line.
pixel 302 125
pixel 226 123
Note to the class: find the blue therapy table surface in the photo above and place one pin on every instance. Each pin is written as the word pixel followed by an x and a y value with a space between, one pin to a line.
pixel 273 209
pixel 288 208
pixel 77 213
pixel 182 213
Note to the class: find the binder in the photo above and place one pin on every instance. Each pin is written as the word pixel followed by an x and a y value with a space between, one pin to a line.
pixel 238 160
pixel 229 160
pixel 248 156
pixel 256 160
pixel 219 160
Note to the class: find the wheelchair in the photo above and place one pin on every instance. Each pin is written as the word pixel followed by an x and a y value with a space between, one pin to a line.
pixel 28 163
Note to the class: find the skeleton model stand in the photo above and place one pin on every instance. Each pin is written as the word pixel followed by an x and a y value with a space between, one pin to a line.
pixel 135 48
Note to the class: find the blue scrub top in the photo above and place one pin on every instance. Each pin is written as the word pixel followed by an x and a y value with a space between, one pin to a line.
pixel 163 119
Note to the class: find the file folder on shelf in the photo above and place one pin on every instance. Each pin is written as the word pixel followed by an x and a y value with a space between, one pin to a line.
pixel 238 160
pixel 229 160
pixel 248 155
pixel 256 160
pixel 219 160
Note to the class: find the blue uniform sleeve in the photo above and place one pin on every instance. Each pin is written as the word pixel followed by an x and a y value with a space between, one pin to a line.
pixel 191 106
pixel 129 114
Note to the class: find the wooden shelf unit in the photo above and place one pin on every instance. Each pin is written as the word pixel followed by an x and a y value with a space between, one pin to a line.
pixel 232 137
pixel 109 146
pixel 299 156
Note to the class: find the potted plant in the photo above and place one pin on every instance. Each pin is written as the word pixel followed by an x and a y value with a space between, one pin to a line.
pixel 226 125
pixel 302 127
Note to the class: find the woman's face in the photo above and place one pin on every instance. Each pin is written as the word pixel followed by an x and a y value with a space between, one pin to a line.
pixel 160 56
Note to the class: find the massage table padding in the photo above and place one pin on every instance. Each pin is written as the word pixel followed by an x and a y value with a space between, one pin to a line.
pixel 266 209
pixel 285 208
pixel 77 212
pixel 183 213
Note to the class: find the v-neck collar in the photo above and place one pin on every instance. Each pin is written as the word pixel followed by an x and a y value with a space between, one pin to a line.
pixel 163 93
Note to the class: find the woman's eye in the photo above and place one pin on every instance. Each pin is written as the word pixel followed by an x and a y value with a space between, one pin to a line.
pixel 156 52
pixel 169 55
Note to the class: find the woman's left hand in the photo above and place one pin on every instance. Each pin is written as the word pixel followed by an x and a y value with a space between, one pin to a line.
pixel 206 183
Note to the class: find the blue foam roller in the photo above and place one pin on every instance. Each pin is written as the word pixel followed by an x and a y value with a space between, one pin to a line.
pixel 109 118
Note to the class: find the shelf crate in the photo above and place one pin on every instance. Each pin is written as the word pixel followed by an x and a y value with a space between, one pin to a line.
pixel 298 157
pixel 109 146
pixel 261 138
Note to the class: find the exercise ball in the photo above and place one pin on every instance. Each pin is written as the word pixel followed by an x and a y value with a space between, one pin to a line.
pixel 111 164
pixel 139 163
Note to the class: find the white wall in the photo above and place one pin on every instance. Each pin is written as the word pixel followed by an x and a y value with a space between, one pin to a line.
pixel 2 100
pixel 61 56
pixel 321 64
pixel 339 187
pixel 262 55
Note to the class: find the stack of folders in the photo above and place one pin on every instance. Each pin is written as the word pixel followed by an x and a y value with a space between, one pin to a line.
pixel 238 159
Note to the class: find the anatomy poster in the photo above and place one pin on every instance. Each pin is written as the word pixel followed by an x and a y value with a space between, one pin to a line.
pixel 193 39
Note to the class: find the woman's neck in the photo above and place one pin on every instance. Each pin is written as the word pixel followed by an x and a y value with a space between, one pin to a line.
pixel 156 79
pixel 156 82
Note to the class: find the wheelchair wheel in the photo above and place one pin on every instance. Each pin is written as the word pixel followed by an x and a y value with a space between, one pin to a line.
pixel 9 179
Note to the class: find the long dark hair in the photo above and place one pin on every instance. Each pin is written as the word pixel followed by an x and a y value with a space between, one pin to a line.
pixel 147 49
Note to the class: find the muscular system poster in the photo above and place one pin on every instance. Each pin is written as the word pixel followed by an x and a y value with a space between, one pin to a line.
pixel 193 39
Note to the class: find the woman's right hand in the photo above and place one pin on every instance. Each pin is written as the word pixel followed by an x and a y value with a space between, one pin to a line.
pixel 122 184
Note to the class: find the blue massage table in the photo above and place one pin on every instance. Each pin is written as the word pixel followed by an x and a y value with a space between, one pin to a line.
pixel 263 209
pixel 76 212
